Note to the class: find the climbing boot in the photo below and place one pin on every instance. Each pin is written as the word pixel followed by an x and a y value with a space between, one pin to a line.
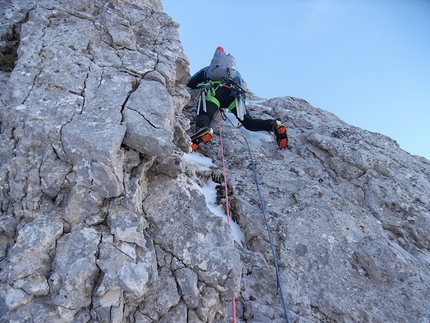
pixel 203 134
pixel 281 134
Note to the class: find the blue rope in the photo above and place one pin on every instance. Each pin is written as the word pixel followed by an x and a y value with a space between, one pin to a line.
pixel 263 208
pixel 278 276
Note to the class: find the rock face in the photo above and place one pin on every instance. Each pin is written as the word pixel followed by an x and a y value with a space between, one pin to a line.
pixel 103 218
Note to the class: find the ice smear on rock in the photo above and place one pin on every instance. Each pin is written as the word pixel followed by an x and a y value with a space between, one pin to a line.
pixel 209 192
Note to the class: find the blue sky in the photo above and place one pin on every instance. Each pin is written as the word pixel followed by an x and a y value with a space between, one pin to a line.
pixel 367 61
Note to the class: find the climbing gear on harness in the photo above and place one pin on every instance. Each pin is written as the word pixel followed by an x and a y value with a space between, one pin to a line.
pixel 203 134
pixel 240 107
pixel 280 134
pixel 201 100
pixel 208 93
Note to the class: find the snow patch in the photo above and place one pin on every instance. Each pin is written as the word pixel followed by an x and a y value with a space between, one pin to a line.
pixel 203 163
pixel 209 192
pixel 255 138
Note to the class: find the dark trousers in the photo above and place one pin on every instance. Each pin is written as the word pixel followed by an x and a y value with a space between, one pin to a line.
pixel 225 98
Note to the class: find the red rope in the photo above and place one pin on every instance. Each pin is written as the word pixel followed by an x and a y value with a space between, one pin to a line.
pixel 233 309
pixel 227 208
pixel 233 301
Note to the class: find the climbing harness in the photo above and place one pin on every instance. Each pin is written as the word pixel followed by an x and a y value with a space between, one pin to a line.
pixel 208 91
pixel 263 209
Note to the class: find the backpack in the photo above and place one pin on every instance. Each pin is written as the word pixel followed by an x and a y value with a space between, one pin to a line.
pixel 223 66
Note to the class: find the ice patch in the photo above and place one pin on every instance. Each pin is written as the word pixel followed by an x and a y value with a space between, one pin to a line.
pixel 209 192
pixel 204 163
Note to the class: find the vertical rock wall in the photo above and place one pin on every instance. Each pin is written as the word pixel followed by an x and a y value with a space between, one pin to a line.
pixel 103 218
pixel 91 107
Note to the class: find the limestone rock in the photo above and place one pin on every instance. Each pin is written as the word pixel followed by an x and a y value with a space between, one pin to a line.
pixel 148 116
pixel 187 281
pixel 73 278
pixel 103 218
pixel 193 235
pixel 33 247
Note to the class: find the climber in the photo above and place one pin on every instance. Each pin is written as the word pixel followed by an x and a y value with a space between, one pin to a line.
pixel 221 88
